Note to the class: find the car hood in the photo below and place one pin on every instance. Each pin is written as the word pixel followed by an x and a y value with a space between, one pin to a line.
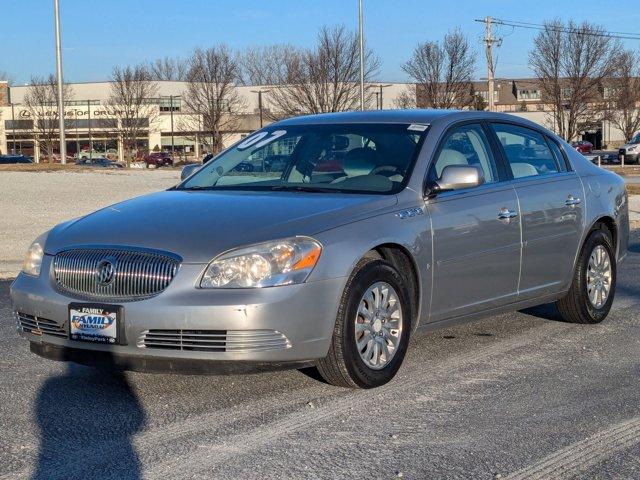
pixel 199 225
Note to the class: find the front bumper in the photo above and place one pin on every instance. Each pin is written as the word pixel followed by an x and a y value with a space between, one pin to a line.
pixel 304 314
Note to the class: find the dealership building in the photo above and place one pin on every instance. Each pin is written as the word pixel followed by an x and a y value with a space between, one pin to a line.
pixel 88 120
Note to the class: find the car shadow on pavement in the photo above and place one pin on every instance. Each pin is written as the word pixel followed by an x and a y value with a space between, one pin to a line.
pixel 86 420
pixel 548 311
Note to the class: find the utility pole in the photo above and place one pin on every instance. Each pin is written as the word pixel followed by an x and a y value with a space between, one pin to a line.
pixel 489 40
pixel 63 142
pixel 361 41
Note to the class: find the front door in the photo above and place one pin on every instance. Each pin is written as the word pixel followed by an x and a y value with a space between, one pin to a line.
pixel 476 232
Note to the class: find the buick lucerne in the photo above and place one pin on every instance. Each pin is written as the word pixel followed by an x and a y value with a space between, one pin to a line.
pixel 341 236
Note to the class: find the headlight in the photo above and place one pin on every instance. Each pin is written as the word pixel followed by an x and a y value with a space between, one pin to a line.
pixel 632 149
pixel 269 264
pixel 33 259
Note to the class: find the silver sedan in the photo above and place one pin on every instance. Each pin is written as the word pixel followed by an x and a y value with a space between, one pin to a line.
pixel 327 241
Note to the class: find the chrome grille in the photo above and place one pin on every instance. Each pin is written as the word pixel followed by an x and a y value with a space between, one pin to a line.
pixel 214 340
pixel 38 325
pixel 134 274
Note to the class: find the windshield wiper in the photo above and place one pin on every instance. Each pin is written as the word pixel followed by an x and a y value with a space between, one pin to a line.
pixel 302 188
pixel 196 187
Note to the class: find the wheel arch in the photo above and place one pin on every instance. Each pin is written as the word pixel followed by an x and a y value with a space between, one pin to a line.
pixel 402 259
pixel 603 222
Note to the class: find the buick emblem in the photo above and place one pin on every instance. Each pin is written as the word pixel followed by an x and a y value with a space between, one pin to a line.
pixel 105 272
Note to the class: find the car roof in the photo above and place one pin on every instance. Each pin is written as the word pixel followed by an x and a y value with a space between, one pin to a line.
pixel 422 116
pixel 370 116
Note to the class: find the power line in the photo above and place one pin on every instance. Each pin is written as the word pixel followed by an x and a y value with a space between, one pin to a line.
pixel 562 29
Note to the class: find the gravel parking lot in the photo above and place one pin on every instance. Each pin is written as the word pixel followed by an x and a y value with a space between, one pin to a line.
pixel 519 395
pixel 34 202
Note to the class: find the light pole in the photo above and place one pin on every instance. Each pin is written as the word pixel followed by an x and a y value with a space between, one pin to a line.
pixel 361 41
pixel 260 92
pixel 89 127
pixel 63 144
pixel 173 145
pixel 13 127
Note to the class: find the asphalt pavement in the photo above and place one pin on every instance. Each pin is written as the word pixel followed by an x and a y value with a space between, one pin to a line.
pixel 520 395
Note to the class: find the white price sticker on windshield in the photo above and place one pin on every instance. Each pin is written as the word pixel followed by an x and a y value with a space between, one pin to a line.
pixel 260 139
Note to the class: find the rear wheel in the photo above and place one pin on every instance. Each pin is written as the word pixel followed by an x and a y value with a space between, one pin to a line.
pixel 594 282
pixel 372 328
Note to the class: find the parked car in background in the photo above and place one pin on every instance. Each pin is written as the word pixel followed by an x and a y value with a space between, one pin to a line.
pixel 437 217
pixel 6 159
pixel 158 159
pixel 583 146
pixel 99 163
pixel 630 152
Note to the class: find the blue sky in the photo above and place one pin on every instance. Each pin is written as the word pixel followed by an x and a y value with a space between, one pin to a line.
pixel 98 34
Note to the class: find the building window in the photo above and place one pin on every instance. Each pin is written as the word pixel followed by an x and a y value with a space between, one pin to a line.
pixel 18 124
pixel 74 103
pixel 528 94
pixel 567 92
pixel 166 104
pixel 485 95
pixel 74 123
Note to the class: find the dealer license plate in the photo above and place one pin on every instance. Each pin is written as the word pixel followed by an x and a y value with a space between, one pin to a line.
pixel 94 323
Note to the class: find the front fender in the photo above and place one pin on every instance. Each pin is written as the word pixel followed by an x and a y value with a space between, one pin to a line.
pixel 344 246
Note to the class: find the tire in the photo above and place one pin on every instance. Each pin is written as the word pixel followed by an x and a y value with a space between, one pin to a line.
pixel 344 365
pixel 576 307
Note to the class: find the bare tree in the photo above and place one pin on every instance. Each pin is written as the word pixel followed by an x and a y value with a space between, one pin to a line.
pixel 266 65
pixel 41 100
pixel 133 103
pixel 323 79
pixel 571 62
pixel 6 77
pixel 406 98
pixel 622 94
pixel 168 68
pixel 211 103
pixel 443 72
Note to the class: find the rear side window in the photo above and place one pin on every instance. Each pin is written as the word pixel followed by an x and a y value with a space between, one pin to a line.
pixel 557 153
pixel 526 151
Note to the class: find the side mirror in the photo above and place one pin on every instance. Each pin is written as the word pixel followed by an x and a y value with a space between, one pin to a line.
pixel 456 177
pixel 188 170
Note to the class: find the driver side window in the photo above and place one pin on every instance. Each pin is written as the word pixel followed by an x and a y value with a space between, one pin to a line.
pixel 465 145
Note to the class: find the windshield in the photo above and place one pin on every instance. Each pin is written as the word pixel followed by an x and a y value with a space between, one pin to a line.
pixel 351 158
pixel 635 139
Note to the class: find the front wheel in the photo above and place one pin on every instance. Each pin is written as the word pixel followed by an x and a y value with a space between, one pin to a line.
pixel 594 282
pixel 372 329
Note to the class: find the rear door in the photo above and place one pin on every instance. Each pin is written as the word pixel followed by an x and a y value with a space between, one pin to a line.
pixel 476 231
pixel 551 204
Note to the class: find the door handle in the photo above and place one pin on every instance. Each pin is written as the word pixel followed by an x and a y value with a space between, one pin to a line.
pixel 506 214
pixel 572 201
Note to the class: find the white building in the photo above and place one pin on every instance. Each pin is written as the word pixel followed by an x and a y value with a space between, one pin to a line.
pixel 88 121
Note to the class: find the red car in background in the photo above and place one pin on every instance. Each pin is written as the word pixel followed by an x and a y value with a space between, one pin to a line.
pixel 583 147
pixel 159 159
